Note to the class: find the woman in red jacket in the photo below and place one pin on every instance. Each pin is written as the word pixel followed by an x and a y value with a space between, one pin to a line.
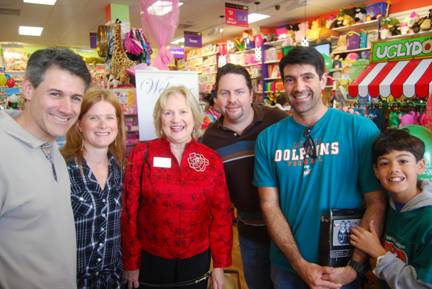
pixel 176 211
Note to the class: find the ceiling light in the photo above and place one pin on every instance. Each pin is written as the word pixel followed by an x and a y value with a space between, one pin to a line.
pixel 255 17
pixel 178 41
pixel 161 7
pixel 43 2
pixel 30 30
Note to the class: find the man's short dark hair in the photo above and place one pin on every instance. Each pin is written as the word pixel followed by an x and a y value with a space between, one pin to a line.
pixel 42 60
pixel 303 55
pixel 236 69
pixel 394 139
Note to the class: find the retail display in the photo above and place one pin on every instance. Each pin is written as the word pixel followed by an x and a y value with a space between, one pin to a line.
pixel 127 99
pixel 119 61
pixel 11 77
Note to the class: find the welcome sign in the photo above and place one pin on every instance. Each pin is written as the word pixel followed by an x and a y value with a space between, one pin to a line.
pixel 405 48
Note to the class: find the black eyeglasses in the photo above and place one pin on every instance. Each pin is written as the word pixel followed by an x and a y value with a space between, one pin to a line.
pixel 309 144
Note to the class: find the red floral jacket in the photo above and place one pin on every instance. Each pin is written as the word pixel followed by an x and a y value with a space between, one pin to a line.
pixel 183 209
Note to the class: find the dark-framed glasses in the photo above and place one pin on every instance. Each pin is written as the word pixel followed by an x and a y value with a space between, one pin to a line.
pixel 309 144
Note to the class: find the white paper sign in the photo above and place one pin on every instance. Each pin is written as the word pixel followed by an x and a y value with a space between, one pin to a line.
pixel 149 85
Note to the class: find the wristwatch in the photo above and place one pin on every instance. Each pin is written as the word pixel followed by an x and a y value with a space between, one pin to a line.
pixel 360 268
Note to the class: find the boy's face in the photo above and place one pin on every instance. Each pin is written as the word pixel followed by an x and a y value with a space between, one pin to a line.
pixel 398 171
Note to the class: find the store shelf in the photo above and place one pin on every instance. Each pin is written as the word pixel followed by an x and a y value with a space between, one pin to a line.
pixel 420 33
pixel 201 56
pixel 275 91
pixel 363 25
pixel 275 43
pixel 272 61
pixel 252 64
pixel 349 51
pixel 245 51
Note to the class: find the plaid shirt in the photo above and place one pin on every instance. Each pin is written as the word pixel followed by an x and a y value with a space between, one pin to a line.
pixel 97 221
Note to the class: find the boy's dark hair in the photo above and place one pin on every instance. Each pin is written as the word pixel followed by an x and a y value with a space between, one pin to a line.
pixel 303 55
pixel 393 139
pixel 236 69
pixel 42 60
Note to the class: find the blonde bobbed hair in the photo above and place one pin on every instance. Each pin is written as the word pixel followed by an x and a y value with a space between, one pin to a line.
pixel 191 101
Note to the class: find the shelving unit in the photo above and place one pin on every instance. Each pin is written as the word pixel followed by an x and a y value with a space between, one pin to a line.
pixel 206 65
pixel 357 26
pixel 343 74
pixel 127 99
pixel 350 50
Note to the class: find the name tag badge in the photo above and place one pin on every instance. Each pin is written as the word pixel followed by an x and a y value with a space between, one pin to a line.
pixel 159 162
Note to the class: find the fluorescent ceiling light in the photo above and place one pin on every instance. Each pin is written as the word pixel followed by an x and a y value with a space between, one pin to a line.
pixel 30 30
pixel 161 7
pixel 255 17
pixel 43 2
pixel 178 41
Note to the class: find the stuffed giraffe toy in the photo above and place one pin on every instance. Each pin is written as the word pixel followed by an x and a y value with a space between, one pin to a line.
pixel 119 61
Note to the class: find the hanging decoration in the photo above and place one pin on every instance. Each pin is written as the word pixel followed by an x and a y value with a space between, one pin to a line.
pixel 161 19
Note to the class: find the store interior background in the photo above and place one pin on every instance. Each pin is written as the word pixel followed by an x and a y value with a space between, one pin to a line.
pixel 69 22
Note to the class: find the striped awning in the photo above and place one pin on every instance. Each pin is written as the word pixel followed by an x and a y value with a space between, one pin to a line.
pixel 410 78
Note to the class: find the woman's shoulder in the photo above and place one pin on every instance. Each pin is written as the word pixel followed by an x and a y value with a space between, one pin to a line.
pixel 147 144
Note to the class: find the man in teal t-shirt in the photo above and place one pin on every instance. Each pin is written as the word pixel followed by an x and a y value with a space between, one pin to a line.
pixel 318 159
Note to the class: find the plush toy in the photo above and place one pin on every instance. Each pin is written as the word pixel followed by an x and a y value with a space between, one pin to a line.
pixel 390 26
pixel 341 44
pixel 347 20
pixel 325 31
pixel 404 28
pixel 248 41
pixel 313 33
pixel 3 80
pixel 409 118
pixel 395 30
pixel 301 33
pixel 426 23
pixel 337 22
pixel 10 82
pixel 359 14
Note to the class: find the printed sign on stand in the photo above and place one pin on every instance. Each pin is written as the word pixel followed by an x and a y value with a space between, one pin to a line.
pixel 149 85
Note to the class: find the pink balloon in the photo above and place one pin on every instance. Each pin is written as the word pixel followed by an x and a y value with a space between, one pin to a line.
pixel 161 27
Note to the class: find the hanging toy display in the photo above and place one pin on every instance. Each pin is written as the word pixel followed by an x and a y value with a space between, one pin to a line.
pixel 161 21
pixel 137 46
